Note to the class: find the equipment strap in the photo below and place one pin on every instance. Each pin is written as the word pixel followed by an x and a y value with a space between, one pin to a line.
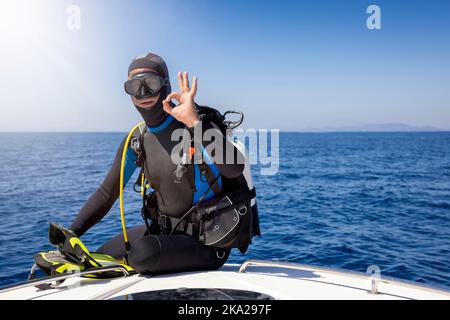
pixel 206 172
pixel 166 223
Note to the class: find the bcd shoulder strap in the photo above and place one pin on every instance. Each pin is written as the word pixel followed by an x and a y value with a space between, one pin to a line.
pixel 137 145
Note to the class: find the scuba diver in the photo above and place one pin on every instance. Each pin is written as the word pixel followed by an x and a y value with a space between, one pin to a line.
pixel 181 232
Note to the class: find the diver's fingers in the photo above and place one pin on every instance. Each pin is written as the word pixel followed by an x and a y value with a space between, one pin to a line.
pixel 173 95
pixel 185 82
pixel 166 106
pixel 193 91
pixel 180 81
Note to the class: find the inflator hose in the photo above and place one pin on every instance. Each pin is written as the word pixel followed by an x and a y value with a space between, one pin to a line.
pixel 122 170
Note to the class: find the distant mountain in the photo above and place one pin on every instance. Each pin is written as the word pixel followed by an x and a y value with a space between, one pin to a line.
pixel 383 127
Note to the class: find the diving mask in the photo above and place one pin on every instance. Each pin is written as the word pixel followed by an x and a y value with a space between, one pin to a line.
pixel 145 85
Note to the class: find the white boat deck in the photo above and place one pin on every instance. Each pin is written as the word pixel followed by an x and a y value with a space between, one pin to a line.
pixel 276 280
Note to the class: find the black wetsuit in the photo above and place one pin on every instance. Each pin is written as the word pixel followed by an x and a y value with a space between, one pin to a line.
pixel 155 251
pixel 152 250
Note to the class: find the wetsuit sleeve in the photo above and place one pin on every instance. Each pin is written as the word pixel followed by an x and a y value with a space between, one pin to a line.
pixel 103 199
pixel 228 169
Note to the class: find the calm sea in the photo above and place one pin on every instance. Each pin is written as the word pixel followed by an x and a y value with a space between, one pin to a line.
pixel 346 200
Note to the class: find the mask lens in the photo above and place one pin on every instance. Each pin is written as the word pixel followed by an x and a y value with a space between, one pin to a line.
pixel 154 83
pixel 133 86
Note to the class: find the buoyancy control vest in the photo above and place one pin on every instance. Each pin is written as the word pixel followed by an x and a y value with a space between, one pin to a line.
pixel 226 213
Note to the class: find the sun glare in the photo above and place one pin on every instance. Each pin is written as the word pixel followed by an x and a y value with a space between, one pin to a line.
pixel 22 22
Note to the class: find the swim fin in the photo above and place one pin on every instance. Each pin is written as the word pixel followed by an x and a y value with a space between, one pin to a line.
pixel 73 256
pixel 57 234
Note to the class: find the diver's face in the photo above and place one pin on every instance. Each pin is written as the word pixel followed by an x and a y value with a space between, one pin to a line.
pixel 146 103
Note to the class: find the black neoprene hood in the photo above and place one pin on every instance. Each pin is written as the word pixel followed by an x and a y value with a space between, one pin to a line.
pixel 156 114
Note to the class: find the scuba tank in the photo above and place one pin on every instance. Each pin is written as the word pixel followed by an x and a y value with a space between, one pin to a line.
pixel 247 169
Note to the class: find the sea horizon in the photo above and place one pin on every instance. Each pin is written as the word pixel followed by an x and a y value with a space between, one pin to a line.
pixel 340 200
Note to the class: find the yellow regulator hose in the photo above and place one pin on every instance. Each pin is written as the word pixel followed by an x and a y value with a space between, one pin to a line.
pixel 122 173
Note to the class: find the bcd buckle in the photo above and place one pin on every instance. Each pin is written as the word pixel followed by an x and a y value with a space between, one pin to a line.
pixel 164 222
pixel 179 172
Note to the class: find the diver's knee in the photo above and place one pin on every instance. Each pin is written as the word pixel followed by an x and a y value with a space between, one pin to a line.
pixel 145 254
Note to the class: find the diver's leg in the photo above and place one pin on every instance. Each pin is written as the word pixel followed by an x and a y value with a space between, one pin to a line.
pixel 116 246
pixel 156 254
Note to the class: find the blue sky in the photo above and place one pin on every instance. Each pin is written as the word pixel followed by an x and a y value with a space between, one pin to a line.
pixel 291 65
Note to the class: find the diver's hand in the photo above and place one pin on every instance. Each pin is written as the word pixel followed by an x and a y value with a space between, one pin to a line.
pixel 185 111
